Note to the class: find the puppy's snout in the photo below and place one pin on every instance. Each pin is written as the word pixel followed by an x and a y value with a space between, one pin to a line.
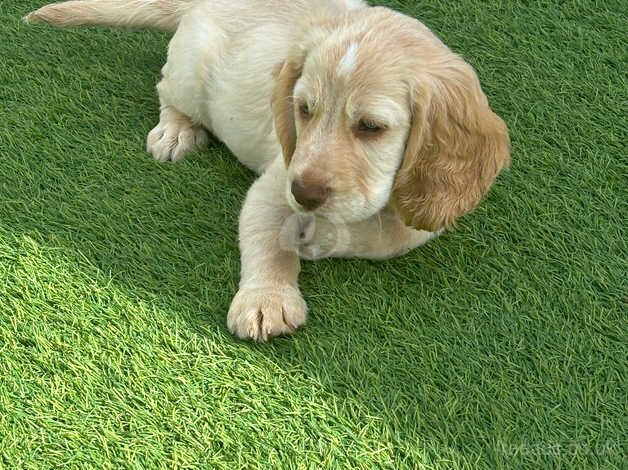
pixel 310 196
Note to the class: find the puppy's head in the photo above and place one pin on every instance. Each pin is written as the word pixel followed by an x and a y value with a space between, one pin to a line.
pixel 375 111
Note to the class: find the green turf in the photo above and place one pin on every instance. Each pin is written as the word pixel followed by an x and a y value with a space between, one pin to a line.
pixel 502 344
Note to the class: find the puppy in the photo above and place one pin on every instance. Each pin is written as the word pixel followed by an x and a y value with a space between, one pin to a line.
pixel 369 135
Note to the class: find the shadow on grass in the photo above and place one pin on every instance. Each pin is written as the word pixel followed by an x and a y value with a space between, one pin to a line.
pixel 406 343
pixel 365 342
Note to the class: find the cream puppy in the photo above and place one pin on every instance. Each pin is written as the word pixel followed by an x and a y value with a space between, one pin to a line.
pixel 369 135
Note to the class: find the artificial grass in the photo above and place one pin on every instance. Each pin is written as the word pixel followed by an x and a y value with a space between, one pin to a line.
pixel 500 345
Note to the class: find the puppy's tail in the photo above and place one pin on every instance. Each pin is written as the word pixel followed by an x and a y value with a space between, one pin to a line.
pixel 155 14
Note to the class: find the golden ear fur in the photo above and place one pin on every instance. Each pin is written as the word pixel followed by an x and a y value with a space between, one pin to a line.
pixel 456 148
pixel 282 105
pixel 286 75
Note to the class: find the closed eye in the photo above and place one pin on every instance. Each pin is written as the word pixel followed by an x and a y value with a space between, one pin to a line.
pixel 366 126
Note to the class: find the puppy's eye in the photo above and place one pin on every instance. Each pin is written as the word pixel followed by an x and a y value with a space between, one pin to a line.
pixel 369 127
pixel 305 111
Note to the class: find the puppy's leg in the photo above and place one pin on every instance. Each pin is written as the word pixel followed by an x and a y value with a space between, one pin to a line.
pixel 269 302
pixel 184 91
pixel 175 136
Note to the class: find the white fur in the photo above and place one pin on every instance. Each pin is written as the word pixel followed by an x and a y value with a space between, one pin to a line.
pixel 348 62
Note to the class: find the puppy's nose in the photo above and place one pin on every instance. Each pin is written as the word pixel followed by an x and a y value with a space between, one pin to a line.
pixel 309 196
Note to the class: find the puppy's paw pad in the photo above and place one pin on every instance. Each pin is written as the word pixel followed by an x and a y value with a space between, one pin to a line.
pixel 264 312
pixel 174 141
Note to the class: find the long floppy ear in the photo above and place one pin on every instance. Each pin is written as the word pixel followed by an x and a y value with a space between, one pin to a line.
pixel 282 105
pixel 456 148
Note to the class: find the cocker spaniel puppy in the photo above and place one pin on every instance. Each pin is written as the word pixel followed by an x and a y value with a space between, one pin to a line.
pixel 369 135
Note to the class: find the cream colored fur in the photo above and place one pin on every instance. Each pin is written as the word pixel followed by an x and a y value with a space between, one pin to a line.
pixel 363 100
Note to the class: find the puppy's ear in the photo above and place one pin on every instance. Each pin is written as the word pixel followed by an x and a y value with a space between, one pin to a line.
pixel 282 105
pixel 456 148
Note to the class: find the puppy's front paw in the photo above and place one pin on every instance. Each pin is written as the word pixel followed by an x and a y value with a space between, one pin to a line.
pixel 174 140
pixel 259 313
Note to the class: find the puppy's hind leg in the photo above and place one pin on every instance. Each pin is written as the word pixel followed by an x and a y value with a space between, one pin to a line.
pixel 184 93
pixel 175 136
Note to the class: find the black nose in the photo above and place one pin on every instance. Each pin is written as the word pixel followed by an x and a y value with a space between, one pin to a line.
pixel 309 196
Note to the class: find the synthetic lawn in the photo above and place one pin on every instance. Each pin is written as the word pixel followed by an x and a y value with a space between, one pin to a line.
pixel 502 344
